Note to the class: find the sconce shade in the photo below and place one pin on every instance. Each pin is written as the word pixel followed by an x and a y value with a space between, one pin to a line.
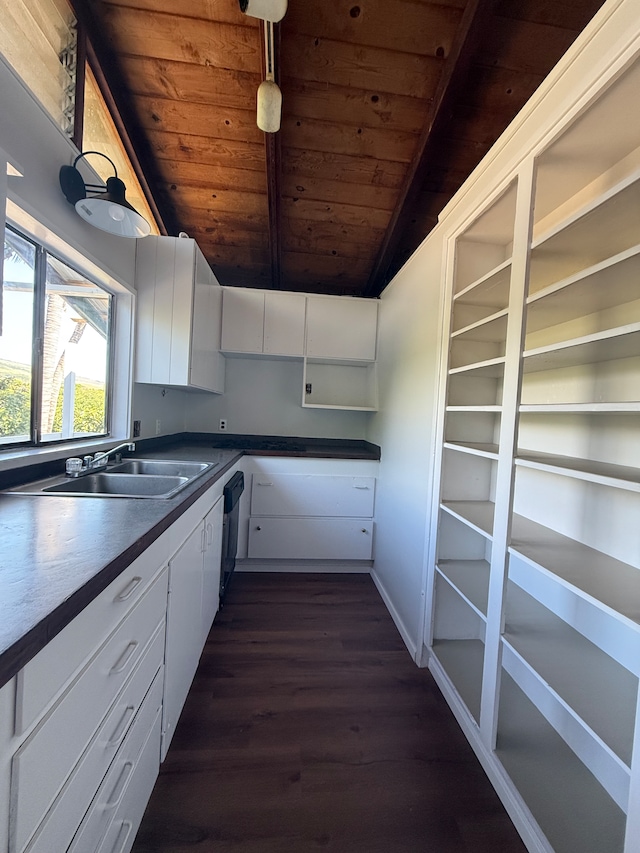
pixel 269 106
pixel 266 10
pixel 110 211
pixel 106 208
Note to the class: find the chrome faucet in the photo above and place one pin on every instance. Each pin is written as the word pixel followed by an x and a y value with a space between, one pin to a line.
pixel 75 467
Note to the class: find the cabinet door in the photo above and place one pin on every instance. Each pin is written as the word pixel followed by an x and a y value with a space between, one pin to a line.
pixel 312 495
pixel 212 557
pixel 184 632
pixel 242 320
pixel 284 315
pixel 311 538
pixel 206 362
pixel 339 327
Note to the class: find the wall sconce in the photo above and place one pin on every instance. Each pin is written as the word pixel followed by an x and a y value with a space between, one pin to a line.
pixel 107 207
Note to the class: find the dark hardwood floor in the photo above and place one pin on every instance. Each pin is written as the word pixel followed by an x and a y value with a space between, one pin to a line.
pixel 309 728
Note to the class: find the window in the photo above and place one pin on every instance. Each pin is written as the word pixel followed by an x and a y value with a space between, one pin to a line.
pixel 54 348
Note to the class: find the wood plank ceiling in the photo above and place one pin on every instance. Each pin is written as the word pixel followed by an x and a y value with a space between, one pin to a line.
pixel 388 107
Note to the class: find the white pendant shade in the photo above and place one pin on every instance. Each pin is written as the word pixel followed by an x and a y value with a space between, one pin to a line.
pixel 266 10
pixel 269 106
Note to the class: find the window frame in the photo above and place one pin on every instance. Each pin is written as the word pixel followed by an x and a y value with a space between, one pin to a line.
pixel 121 353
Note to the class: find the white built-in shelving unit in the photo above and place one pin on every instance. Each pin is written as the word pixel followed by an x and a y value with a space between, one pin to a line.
pixel 533 621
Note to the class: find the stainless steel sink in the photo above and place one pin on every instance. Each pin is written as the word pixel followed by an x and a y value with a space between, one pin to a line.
pixel 133 478
pixel 121 485
pixel 163 467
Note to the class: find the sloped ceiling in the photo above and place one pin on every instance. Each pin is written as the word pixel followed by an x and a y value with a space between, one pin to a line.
pixel 388 107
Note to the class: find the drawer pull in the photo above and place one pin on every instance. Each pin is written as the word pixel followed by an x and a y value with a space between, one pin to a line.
pixel 124 658
pixel 121 728
pixel 122 837
pixel 129 589
pixel 364 530
pixel 366 488
pixel 264 483
pixel 258 527
pixel 121 784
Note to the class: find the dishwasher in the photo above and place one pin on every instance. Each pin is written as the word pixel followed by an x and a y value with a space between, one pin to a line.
pixel 231 495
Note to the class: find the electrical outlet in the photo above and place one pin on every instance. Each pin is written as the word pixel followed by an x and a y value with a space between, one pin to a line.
pixel 223 424
pixel 158 426
pixel 136 429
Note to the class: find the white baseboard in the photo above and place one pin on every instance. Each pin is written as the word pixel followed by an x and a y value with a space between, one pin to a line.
pixel 524 822
pixel 407 638
pixel 326 566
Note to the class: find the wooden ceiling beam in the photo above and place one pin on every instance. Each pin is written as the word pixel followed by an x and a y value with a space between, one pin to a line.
pixel 455 71
pixel 273 159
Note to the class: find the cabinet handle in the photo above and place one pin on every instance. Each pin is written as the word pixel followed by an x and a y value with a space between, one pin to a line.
pixel 121 728
pixel 264 483
pixel 122 837
pixel 124 658
pixel 364 530
pixel 118 788
pixel 366 488
pixel 258 527
pixel 209 533
pixel 129 589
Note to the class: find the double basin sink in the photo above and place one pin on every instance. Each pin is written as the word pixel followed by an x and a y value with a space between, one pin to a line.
pixel 132 478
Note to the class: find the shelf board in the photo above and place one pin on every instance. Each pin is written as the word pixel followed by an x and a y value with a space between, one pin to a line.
pixel 605 765
pixel 590 291
pixel 470 578
pixel 489 291
pixel 609 583
pixel 590 232
pixel 341 408
pixel 492 328
pixel 492 367
pixel 462 661
pixel 475 448
pixel 580 408
pixel 477 514
pixel 610 345
pixel 579 815
pixel 575 669
pixel 492 408
pixel 617 476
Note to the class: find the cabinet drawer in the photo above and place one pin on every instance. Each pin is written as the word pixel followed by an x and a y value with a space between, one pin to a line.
pixel 311 538
pixel 46 675
pixel 126 822
pixel 113 737
pixel 312 495
pixel 130 778
pixel 58 742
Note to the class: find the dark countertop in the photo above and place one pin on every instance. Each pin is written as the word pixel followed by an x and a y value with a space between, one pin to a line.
pixel 59 553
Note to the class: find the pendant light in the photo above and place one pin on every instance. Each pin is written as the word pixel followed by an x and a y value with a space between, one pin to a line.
pixel 106 208
pixel 269 99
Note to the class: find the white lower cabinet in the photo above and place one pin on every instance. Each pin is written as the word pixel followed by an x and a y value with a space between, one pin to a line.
pixel 311 509
pixel 311 538
pixel 81 725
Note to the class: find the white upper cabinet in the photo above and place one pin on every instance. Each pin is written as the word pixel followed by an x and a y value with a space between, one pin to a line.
pixel 179 316
pixel 263 322
pixel 341 328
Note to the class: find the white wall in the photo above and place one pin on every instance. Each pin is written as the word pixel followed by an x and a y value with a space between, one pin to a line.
pixel 263 397
pixel 408 359
pixel 168 405
pixel 38 148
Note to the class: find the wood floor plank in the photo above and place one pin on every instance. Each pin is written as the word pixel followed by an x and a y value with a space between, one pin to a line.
pixel 309 728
